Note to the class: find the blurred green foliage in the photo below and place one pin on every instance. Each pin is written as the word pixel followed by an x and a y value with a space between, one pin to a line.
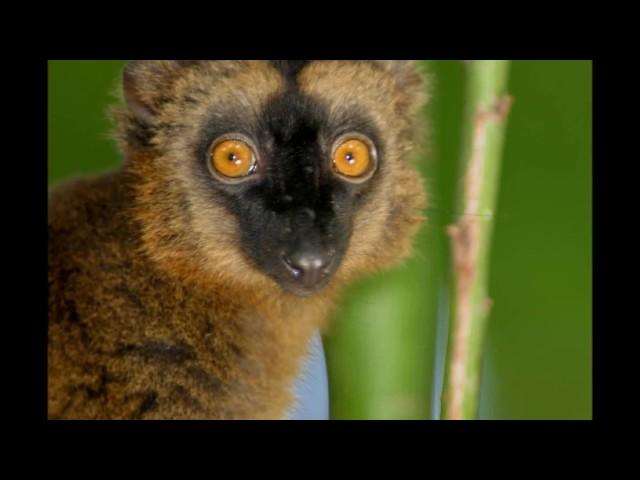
pixel 383 355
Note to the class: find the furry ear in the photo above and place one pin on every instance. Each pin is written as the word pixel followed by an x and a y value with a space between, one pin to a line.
pixel 406 72
pixel 145 83
pixel 409 78
pixel 398 67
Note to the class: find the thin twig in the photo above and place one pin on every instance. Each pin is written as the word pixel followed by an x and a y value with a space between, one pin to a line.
pixel 469 236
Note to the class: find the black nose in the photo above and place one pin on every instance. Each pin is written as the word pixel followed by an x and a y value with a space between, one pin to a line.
pixel 308 268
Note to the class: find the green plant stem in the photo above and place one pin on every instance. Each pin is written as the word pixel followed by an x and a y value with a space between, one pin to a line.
pixel 487 108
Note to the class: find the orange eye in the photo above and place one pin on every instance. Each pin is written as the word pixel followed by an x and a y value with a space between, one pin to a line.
pixel 352 158
pixel 233 159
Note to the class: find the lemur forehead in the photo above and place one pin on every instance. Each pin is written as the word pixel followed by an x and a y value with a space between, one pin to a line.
pixel 289 68
pixel 252 82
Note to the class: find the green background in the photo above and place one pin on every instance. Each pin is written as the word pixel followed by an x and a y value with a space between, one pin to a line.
pixel 385 351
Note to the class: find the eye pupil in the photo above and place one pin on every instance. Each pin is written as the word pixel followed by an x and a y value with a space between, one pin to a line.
pixel 350 158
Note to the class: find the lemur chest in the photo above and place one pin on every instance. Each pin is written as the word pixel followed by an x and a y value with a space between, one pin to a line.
pixel 201 354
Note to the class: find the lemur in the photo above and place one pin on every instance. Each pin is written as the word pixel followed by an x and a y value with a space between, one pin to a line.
pixel 187 283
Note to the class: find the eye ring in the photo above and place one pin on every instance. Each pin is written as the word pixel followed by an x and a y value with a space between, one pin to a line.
pixel 372 157
pixel 237 170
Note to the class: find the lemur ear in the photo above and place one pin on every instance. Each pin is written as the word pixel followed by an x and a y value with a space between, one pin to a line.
pixel 408 76
pixel 398 67
pixel 404 71
pixel 143 82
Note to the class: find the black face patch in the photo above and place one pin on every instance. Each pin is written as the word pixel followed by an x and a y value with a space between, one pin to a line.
pixel 295 214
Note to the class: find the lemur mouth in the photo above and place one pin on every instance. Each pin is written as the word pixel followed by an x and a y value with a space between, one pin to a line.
pixel 307 272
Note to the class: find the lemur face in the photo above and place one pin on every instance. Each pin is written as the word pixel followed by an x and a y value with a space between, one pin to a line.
pixel 296 171
pixel 293 206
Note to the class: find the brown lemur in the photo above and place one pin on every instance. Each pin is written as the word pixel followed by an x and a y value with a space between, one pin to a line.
pixel 187 283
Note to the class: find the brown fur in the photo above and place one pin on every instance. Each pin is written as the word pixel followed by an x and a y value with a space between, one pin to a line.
pixel 154 311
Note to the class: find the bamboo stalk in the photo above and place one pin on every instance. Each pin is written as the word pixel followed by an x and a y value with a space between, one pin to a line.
pixel 487 108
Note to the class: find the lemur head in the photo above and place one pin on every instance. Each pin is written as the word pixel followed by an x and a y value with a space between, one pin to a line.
pixel 265 173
